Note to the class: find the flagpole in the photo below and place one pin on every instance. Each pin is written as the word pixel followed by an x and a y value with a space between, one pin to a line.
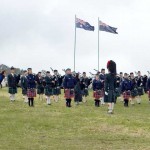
pixel 75 46
pixel 98 43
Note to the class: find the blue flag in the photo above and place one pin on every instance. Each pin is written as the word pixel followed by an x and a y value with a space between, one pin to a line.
pixel 107 28
pixel 84 25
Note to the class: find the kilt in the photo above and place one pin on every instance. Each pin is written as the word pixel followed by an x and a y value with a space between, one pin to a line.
pixel 134 92
pixel 57 91
pixel 126 94
pixel 85 92
pixel 118 92
pixel 98 94
pixel 69 93
pixel 40 89
pixel 48 90
pixel 78 97
pixel 12 90
pixel 24 91
pixel 31 93
pixel 140 91
pixel 111 97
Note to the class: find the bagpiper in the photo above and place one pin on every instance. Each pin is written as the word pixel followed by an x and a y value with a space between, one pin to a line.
pixel 77 90
pixel 126 89
pixel 110 86
pixel 98 91
pixel 12 84
pixel 121 80
pixel 139 87
pixel 40 86
pixel 57 84
pixel 145 78
pixel 69 84
pixel 102 78
pixel 84 83
pixel 31 87
pixel 118 87
pixel 148 88
pixel 134 92
pixel 48 87
pixel 24 85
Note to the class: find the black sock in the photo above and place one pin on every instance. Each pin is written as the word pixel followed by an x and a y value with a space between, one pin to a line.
pixel 29 101
pixel 69 102
pixel 126 102
pixel 32 101
pixel 98 101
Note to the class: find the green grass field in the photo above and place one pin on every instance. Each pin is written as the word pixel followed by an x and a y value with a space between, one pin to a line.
pixel 82 127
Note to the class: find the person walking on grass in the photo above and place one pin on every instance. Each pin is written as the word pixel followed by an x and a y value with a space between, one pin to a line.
pixel 110 86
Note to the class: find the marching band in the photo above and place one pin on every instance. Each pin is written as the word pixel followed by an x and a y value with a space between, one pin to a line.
pixel 107 88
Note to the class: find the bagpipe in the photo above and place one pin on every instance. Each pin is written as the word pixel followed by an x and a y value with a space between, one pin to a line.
pixel 57 78
pixel 92 74
pixel 57 72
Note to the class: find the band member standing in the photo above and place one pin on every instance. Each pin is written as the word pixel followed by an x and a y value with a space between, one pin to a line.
pixel 31 87
pixel 102 78
pixel 140 87
pixel 12 84
pixel 77 90
pixel 69 84
pixel 134 91
pixel 24 85
pixel 118 89
pixel 48 87
pixel 40 86
pixel 148 88
pixel 110 86
pixel 98 91
pixel 56 89
pixel 126 89
pixel 145 78
pixel 84 86
pixel 121 80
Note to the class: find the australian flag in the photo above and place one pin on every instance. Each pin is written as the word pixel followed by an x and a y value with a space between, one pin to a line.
pixel 107 28
pixel 84 25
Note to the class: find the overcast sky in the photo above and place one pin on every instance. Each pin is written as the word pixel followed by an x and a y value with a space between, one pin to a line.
pixel 40 34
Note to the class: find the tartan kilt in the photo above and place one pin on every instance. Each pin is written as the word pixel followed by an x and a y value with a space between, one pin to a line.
pixel 118 92
pixel 69 93
pixel 140 91
pixel 40 89
pixel 24 91
pixel 48 90
pixel 12 90
pixel 134 93
pixel 98 94
pixel 85 92
pixel 57 91
pixel 31 93
pixel 126 94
